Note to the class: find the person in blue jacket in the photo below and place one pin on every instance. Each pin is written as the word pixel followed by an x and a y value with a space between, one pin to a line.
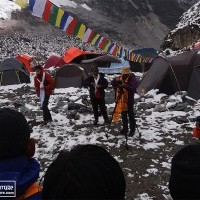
pixel 16 152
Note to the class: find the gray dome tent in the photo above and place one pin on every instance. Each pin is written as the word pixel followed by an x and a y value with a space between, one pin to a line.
pixel 13 72
pixel 171 74
pixel 70 75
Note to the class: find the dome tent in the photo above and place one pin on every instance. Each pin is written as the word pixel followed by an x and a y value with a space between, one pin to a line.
pixel 13 72
pixel 70 75
pixel 172 74
pixel 26 60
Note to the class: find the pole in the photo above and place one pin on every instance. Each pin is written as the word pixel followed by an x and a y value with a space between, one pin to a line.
pixel 136 126
pixel 109 125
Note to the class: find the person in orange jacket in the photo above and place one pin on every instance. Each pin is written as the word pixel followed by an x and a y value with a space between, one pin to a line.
pixel 44 85
pixel 196 130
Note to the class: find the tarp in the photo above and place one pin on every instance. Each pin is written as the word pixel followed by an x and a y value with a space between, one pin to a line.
pixel 103 58
pixel 103 62
pixel 26 60
pixel 76 55
pixel 54 61
pixel 171 74
pixel 114 67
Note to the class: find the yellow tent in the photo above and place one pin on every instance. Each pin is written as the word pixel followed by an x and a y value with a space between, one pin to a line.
pixel 22 3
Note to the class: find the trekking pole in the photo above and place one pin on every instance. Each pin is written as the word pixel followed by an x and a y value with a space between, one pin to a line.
pixel 126 136
pixel 140 135
pixel 109 125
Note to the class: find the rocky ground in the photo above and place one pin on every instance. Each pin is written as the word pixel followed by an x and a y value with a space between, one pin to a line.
pixel 165 124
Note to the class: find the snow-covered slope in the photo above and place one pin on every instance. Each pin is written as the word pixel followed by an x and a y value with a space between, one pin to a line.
pixel 191 17
pixel 186 32
pixel 6 7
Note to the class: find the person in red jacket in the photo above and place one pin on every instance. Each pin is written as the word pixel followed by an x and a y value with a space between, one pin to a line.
pixel 44 85
pixel 196 130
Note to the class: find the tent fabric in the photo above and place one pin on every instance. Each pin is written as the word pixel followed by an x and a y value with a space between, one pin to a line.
pixel 54 61
pixel 75 55
pixel 154 76
pixel 13 72
pixel 110 70
pixel 10 64
pixel 173 74
pixel 103 62
pixel 26 60
pixel 103 58
pixel 194 82
pixel 70 75
pixel 114 67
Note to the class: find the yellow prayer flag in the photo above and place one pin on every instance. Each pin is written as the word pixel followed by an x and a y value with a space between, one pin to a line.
pixel 59 17
pixel 107 45
pixel 22 3
pixel 95 39
pixel 81 31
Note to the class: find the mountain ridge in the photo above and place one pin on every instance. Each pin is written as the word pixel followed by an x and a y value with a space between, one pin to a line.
pixel 135 24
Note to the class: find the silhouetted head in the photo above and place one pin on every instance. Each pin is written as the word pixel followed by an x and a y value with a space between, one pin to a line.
pixel 95 71
pixel 38 69
pixel 14 135
pixel 85 172
pixel 185 173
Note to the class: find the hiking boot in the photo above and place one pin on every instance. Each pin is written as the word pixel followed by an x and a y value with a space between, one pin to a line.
pixel 131 133
pixel 124 131
pixel 106 121
pixel 45 122
pixel 95 122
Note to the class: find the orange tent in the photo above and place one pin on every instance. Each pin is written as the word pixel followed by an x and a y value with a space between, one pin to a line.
pixel 76 55
pixel 26 60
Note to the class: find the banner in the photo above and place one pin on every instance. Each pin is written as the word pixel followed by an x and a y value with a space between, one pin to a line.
pixel 56 16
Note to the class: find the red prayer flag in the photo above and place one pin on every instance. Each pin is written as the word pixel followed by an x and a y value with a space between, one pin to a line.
pixel 47 11
pixel 71 27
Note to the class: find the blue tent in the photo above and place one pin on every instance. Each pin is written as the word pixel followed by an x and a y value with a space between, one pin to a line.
pixel 114 67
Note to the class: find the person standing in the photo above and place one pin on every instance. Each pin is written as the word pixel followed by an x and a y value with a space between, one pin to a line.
pixel 44 85
pixel 97 84
pixel 125 88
